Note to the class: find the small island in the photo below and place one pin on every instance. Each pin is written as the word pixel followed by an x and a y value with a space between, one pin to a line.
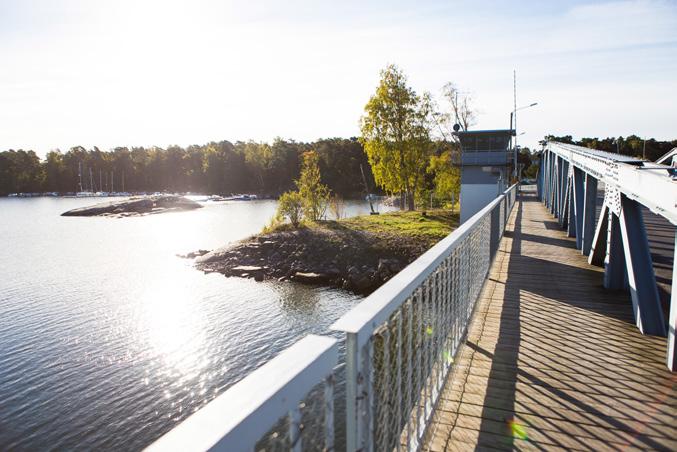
pixel 135 206
pixel 357 254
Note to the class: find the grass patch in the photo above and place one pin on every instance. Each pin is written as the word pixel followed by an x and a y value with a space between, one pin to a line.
pixel 431 225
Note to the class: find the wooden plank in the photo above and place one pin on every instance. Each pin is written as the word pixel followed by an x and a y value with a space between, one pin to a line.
pixel 552 359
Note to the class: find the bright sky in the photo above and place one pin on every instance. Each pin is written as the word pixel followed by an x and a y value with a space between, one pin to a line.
pixel 122 73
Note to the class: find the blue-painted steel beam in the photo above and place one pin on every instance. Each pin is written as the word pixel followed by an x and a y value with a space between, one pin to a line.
pixel 564 201
pixel 579 187
pixel 539 180
pixel 571 209
pixel 672 321
pixel 614 262
pixel 553 184
pixel 599 242
pixel 641 278
pixel 589 212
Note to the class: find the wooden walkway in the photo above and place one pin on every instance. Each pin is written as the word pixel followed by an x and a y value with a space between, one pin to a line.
pixel 553 360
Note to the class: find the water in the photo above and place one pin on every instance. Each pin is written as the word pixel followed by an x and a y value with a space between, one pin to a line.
pixel 108 340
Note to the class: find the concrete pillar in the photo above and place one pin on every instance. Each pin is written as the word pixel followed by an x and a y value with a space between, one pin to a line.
pixel 646 302
pixel 589 212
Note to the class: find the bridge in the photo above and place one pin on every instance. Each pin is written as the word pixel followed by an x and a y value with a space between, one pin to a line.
pixel 537 324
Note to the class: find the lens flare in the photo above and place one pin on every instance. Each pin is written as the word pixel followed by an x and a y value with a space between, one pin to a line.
pixel 518 430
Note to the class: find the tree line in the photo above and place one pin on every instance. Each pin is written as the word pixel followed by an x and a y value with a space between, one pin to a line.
pixel 214 168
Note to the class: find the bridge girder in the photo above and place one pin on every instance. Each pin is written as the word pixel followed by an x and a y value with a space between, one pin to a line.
pixel 618 240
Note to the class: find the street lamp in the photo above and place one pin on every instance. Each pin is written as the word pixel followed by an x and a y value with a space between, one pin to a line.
pixel 514 113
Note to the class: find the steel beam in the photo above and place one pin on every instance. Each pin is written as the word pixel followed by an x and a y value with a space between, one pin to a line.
pixel 614 262
pixel 599 242
pixel 646 302
pixel 579 187
pixel 672 321
pixel 571 209
pixel 539 179
pixel 589 212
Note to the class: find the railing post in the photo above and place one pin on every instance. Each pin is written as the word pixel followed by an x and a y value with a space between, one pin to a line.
pixel 295 430
pixel 329 413
pixel 352 372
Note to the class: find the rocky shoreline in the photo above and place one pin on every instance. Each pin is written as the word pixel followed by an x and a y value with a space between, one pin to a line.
pixel 135 206
pixel 331 255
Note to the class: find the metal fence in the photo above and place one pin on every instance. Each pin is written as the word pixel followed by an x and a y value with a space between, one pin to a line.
pixel 401 342
pixel 273 408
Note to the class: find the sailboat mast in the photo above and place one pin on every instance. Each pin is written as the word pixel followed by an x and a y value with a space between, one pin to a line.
pixel 91 181
pixel 80 175
pixel 100 180
pixel 112 180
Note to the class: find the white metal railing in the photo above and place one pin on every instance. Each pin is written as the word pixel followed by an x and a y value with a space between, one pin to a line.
pixel 269 397
pixel 401 340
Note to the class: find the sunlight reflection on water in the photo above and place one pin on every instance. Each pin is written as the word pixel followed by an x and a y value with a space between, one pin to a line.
pixel 107 339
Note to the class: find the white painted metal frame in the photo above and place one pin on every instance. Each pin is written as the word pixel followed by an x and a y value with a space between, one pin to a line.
pixel 648 184
pixel 237 419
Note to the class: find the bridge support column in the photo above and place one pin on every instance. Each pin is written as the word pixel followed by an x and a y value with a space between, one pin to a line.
pixel 562 193
pixel 646 302
pixel 589 211
pixel 598 247
pixel 571 208
pixel 614 262
pixel 554 176
pixel 578 205
pixel 672 321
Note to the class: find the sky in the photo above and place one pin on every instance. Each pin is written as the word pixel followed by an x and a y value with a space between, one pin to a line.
pixel 142 73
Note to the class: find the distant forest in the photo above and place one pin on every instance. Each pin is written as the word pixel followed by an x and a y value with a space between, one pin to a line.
pixel 213 168
pixel 226 168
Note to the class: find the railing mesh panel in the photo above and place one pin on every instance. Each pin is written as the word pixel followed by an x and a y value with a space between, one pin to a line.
pixel 411 354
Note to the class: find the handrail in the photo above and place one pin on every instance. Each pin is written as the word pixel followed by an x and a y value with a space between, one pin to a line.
pixel 364 318
pixel 440 288
pixel 239 417
pixel 402 339
pixel 654 189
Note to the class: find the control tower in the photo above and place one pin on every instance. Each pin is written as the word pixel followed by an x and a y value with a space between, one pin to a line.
pixel 486 161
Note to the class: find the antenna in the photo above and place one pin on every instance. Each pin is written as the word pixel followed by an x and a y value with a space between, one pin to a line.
pixel 514 106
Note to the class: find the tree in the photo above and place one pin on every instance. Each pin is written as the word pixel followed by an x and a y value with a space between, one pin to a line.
pixel 461 104
pixel 447 177
pixel 290 206
pixel 314 194
pixel 396 134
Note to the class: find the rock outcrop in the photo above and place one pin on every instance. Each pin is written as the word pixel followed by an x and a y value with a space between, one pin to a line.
pixel 135 206
pixel 341 257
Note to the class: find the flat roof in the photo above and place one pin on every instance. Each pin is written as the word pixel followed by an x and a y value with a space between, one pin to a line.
pixel 508 132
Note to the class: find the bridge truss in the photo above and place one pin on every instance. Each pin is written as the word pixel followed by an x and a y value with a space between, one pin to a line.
pixel 568 183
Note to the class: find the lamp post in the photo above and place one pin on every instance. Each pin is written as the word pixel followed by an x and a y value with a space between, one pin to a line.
pixel 514 113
